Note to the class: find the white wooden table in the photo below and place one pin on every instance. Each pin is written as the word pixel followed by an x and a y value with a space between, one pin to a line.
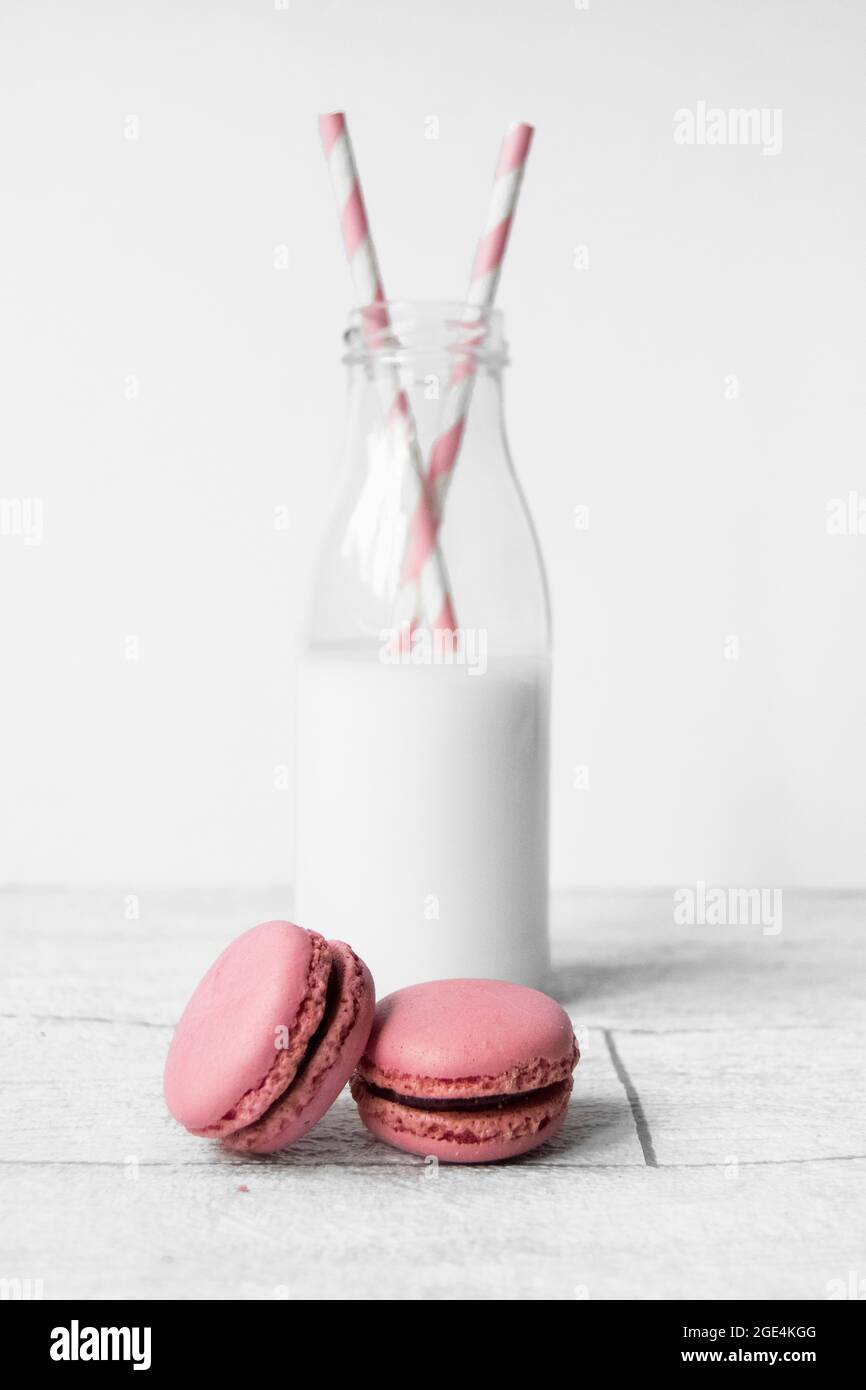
pixel 715 1146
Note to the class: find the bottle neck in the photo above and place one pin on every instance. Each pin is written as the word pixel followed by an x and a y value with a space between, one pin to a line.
pixel 433 369
pixel 435 385
pixel 428 511
pixel 450 337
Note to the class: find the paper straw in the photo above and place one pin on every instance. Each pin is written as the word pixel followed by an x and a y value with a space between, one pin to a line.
pixel 423 595
pixel 484 280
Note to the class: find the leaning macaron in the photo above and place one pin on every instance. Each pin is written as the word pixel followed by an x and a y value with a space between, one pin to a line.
pixel 269 1038
pixel 467 1071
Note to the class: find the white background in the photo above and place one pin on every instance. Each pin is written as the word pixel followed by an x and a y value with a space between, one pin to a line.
pixel 154 258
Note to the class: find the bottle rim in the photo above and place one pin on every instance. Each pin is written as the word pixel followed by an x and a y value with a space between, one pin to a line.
pixel 398 331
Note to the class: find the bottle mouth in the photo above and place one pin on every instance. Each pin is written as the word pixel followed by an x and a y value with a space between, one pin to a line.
pixel 400 331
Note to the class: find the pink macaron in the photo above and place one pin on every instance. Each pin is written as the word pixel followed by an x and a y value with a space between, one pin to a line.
pixel 269 1038
pixel 468 1071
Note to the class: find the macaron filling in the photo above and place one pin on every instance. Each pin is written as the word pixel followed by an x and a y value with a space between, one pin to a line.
pixel 332 1002
pixel 439 1103
pixel 470 1134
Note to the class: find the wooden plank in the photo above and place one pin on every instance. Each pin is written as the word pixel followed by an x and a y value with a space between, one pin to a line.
pixel 74 954
pixel 750 1094
pixel 92 1092
pixel 622 962
pixel 513 1231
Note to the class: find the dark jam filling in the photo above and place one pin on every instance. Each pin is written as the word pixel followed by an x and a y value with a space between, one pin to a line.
pixel 332 1000
pixel 466 1102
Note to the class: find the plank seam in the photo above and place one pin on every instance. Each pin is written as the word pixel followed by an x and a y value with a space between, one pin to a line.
pixel 641 1123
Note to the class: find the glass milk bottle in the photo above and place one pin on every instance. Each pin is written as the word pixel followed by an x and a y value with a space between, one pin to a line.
pixel 422 757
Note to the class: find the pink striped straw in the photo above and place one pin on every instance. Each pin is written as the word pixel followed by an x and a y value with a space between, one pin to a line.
pixel 423 596
pixel 484 280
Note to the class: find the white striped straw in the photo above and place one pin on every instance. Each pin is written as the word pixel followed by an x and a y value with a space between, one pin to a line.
pixel 484 280
pixel 423 596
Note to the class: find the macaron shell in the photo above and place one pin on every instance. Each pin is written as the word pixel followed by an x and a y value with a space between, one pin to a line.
pixel 460 1136
pixel 334 1054
pixel 467 1038
pixel 246 1028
